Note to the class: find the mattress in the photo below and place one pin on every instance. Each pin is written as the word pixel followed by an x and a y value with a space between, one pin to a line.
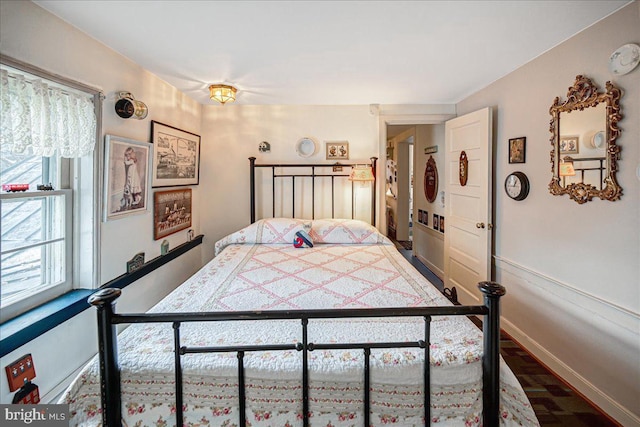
pixel 350 265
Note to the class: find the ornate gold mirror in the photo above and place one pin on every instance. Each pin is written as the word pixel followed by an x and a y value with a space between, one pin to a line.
pixel 584 154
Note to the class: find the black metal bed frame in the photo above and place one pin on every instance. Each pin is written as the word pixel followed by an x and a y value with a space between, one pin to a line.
pixel 110 386
pixel 313 175
pixel 105 299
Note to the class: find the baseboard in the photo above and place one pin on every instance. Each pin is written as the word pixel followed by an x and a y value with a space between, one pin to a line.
pixel 435 270
pixel 590 392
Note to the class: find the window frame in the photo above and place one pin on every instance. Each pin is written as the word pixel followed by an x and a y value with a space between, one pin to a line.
pixel 80 177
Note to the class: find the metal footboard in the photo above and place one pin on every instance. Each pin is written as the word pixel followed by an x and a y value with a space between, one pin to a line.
pixel 105 300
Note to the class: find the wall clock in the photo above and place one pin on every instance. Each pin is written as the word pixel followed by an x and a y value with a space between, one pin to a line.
pixel 517 186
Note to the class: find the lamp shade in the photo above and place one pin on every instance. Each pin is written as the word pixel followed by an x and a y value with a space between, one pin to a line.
pixel 222 93
pixel 567 169
pixel 361 173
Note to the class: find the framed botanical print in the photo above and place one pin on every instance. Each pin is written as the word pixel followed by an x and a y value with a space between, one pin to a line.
pixel 126 177
pixel 171 212
pixel 337 150
pixel 176 156
pixel 569 144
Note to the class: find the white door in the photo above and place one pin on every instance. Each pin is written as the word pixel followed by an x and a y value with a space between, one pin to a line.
pixel 467 238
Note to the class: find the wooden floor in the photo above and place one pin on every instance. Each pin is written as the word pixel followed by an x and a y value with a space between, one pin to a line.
pixel 554 403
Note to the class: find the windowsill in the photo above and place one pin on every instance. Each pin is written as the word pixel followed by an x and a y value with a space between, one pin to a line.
pixel 18 331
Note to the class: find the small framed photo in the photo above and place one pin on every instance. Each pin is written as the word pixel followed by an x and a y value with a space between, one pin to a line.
pixel 426 218
pixel 171 212
pixel 176 156
pixel 337 150
pixel 441 225
pixel 126 177
pixel 569 144
pixel 436 222
pixel 517 149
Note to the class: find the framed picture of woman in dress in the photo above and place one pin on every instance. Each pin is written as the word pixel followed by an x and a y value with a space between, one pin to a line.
pixel 126 177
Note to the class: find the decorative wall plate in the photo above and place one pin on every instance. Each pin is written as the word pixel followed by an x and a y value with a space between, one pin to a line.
pixel 306 147
pixel 431 180
pixel 625 59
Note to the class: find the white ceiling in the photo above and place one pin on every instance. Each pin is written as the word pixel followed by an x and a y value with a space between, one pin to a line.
pixel 330 52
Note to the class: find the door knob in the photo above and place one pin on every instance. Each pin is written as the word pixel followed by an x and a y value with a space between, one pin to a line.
pixel 480 225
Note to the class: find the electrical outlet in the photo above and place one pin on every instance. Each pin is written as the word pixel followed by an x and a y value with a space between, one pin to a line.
pixel 20 371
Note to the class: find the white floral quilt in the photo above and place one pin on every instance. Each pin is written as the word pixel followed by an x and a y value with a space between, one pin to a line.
pixel 350 266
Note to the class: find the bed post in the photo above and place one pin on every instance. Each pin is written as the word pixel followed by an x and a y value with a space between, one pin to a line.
pixel 491 359
pixel 373 191
pixel 104 301
pixel 252 186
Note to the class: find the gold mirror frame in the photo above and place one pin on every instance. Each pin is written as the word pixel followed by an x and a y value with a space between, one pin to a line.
pixel 581 95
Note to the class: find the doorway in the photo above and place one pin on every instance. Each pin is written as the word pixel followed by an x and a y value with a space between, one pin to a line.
pixel 399 184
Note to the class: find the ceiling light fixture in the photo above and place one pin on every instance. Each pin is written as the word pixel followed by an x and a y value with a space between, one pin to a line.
pixel 222 93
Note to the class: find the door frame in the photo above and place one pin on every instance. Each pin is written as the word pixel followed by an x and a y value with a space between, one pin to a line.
pixel 398 118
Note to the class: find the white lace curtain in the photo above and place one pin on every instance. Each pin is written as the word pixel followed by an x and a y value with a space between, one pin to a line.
pixel 38 119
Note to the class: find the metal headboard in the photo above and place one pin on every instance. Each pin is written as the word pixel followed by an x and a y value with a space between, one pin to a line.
pixel 313 175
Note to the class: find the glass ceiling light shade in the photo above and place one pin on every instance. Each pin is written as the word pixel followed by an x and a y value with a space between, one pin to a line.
pixel 361 173
pixel 222 93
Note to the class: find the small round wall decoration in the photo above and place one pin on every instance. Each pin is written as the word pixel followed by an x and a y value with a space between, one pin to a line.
pixel 463 171
pixel 431 180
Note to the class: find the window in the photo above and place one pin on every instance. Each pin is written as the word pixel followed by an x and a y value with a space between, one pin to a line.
pixel 49 130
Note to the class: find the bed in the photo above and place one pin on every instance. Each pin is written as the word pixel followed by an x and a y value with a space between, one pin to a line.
pixel 327 372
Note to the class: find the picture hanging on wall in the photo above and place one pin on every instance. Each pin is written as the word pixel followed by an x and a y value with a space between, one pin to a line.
pixel 517 149
pixel 176 156
pixel 171 212
pixel 337 150
pixel 126 177
pixel 569 144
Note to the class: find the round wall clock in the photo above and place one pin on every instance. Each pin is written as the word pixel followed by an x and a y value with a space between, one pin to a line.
pixel 517 186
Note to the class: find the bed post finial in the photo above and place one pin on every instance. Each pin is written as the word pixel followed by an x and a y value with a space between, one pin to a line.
pixel 491 359
pixel 104 301
pixel 252 187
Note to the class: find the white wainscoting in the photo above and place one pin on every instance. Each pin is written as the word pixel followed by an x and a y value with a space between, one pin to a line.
pixel 590 342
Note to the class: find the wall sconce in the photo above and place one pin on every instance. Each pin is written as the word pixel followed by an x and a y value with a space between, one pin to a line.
pixel 222 93
pixel 264 147
pixel 127 107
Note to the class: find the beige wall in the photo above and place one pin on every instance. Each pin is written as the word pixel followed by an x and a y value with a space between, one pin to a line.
pixel 572 272
pixel 34 36
pixel 232 134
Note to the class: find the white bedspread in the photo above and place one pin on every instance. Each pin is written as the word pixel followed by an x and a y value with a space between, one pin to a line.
pixel 277 276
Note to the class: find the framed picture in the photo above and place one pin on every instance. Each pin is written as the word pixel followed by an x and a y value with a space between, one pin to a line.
pixel 171 212
pixel 176 156
pixel 517 149
pixel 441 225
pixel 569 144
pixel 126 177
pixel 436 222
pixel 337 150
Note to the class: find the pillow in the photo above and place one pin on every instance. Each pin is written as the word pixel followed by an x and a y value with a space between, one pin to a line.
pixel 346 231
pixel 269 230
